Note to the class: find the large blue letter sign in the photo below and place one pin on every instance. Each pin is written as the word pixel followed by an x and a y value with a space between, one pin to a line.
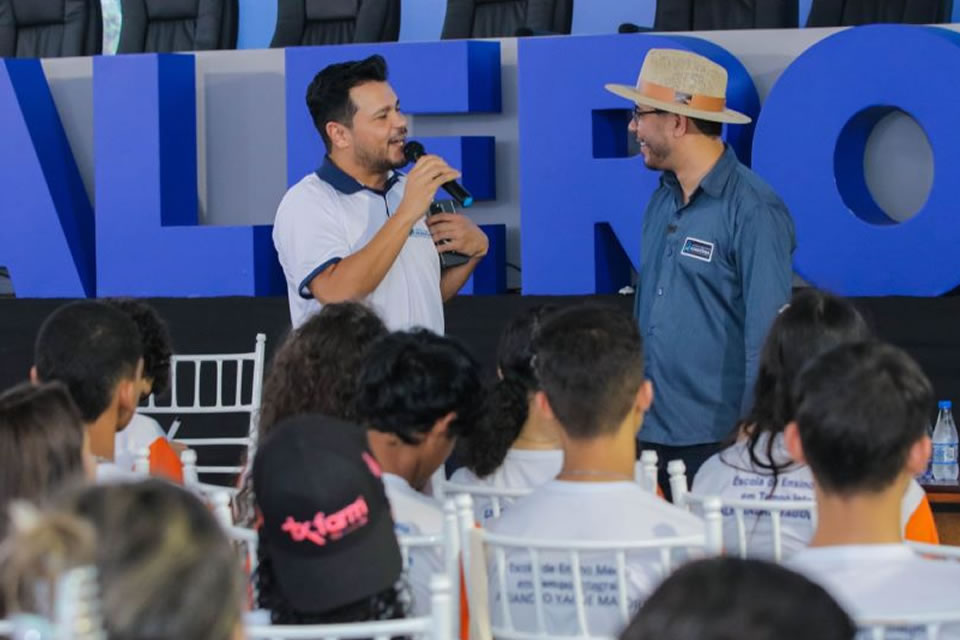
pixel 810 143
pixel 46 222
pixel 573 139
pixel 148 239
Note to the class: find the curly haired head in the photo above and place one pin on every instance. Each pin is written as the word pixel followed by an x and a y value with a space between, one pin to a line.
pixel 314 370
pixel 155 337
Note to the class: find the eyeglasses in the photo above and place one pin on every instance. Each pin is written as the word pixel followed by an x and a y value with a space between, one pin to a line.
pixel 638 114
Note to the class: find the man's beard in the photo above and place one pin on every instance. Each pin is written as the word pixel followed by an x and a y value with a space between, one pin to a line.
pixel 656 156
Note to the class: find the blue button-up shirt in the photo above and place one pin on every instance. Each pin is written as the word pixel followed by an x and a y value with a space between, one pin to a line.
pixel 713 275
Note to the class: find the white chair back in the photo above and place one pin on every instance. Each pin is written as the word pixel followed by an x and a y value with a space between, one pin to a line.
pixel 927 626
pixel 649 462
pixel 487 553
pixel 497 497
pixel 741 511
pixel 448 544
pixel 247 539
pixel 225 402
pixel 436 626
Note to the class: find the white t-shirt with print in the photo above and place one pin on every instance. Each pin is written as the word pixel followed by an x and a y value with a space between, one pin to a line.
pixel 521 469
pixel 142 432
pixel 415 514
pixel 322 220
pixel 883 581
pixel 732 475
pixel 584 511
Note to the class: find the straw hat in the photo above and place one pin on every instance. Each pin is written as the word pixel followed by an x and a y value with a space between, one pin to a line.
pixel 684 83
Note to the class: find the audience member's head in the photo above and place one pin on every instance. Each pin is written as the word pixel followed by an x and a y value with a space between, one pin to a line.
pixel 861 420
pixel 43 444
pixel 315 369
pixel 327 552
pixel 94 349
pixel 165 567
pixel 510 404
pixel 155 338
pixel 590 366
pixel 417 394
pixel 729 598
pixel 813 322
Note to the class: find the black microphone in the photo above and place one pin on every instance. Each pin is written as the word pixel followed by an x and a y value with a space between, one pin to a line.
pixel 671 228
pixel 413 150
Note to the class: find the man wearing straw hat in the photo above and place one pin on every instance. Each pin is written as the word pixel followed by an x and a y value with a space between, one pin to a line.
pixel 715 258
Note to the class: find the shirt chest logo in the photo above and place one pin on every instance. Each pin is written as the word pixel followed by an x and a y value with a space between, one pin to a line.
pixel 697 249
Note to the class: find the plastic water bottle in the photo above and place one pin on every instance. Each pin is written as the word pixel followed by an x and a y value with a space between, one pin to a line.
pixel 945 445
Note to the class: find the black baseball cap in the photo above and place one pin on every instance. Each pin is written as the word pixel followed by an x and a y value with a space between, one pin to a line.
pixel 326 523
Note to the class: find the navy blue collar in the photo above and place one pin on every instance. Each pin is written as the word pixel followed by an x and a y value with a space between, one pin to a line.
pixel 347 184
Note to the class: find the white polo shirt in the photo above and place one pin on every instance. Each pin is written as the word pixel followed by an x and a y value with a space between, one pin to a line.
pixel 884 580
pixel 415 514
pixel 586 511
pixel 328 216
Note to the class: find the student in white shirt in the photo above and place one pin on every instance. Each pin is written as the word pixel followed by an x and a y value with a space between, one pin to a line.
pixel 757 465
pixel 590 367
pixel 861 425
pixel 515 445
pixel 418 392
pixel 726 597
pixel 94 349
pixel 355 228
pixel 143 431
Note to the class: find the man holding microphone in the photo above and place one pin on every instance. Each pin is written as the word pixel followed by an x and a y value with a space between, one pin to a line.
pixel 354 229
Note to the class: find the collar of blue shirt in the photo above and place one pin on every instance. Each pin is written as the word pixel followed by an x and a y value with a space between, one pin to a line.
pixel 716 179
pixel 347 184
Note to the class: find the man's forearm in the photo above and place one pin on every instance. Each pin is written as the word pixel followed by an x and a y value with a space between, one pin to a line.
pixel 358 274
pixel 454 278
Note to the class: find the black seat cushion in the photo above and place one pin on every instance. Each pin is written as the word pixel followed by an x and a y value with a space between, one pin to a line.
pixel 160 26
pixel 836 13
pixel 707 15
pixel 503 18
pixel 317 22
pixel 50 28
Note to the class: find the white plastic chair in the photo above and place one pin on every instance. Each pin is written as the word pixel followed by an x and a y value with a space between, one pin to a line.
pixel 739 509
pixel 246 538
pixel 910 626
pixel 222 404
pixel 436 626
pixel 480 546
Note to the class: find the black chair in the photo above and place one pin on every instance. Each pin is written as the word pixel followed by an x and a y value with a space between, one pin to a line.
pixel 50 28
pixel 709 15
pixel 316 22
pixel 162 26
pixel 506 18
pixel 837 13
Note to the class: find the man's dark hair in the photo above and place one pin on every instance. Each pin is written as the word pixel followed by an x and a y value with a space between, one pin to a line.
pixel 708 127
pixel 411 379
pixel 722 598
pixel 590 365
pixel 860 407
pixel 328 96
pixel 155 337
pixel 90 347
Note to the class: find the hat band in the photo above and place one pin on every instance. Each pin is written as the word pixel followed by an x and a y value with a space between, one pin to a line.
pixel 693 100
